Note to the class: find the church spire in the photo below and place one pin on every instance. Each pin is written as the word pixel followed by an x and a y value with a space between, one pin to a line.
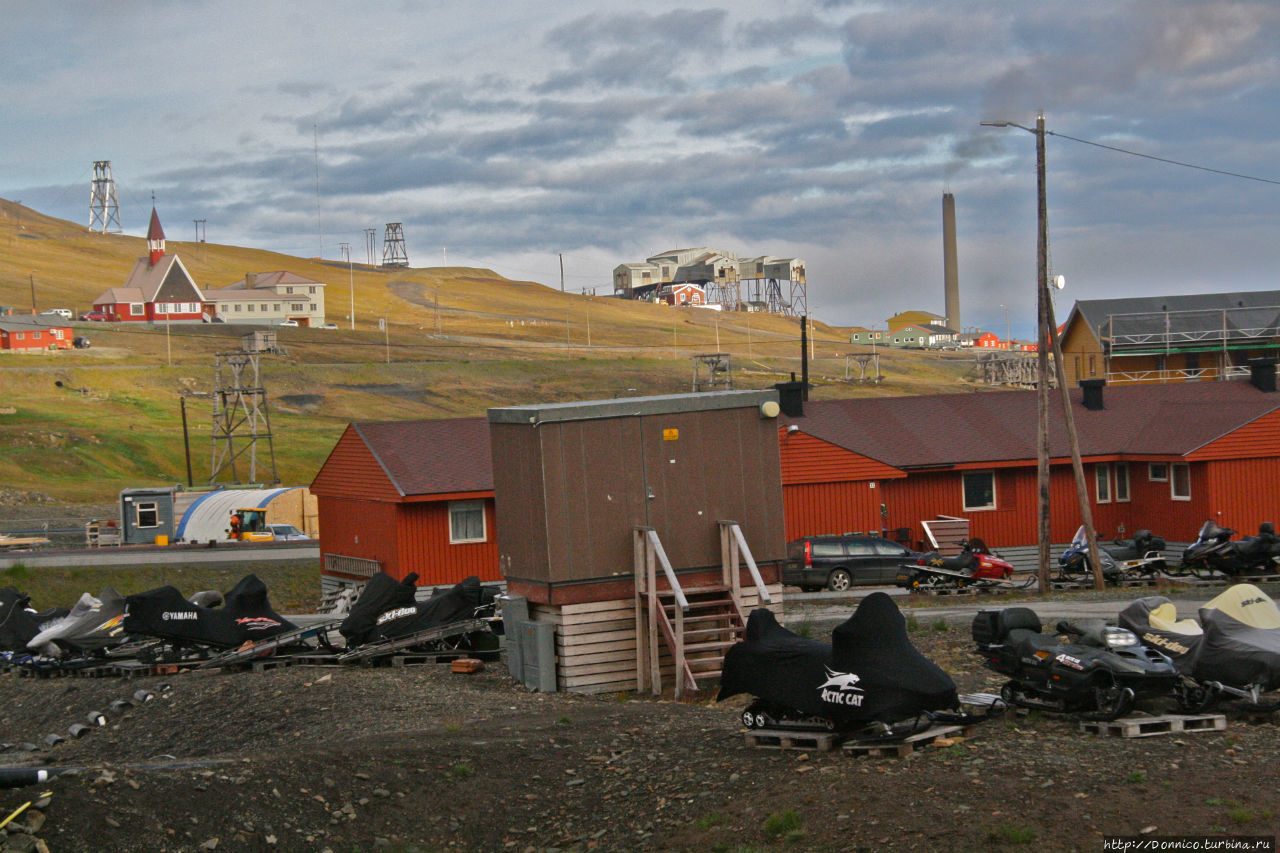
pixel 155 236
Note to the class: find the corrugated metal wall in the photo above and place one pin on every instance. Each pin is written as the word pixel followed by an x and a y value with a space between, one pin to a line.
pixel 423 534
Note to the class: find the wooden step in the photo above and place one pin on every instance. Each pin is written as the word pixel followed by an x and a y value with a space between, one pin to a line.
pixel 694 591
pixel 699 647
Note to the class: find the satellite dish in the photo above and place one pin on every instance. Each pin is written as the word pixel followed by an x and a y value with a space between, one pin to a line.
pixel 1059 281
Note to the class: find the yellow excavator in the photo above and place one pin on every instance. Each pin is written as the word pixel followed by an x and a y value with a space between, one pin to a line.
pixel 250 525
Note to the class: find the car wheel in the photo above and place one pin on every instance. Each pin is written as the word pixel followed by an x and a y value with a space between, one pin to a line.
pixel 839 580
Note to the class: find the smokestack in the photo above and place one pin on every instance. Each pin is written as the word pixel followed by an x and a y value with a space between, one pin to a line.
pixel 950 272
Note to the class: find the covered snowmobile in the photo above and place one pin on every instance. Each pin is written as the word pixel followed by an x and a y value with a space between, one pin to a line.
pixel 388 614
pixel 18 622
pixel 246 615
pixel 1233 650
pixel 93 624
pixel 869 675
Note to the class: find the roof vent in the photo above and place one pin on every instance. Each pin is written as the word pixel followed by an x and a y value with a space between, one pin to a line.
pixel 1262 374
pixel 1092 393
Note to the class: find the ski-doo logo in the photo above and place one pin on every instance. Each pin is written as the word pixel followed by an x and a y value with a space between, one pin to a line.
pixel 841 688
pixel 1069 661
pixel 1249 601
pixel 1165 643
pixel 179 616
pixel 396 614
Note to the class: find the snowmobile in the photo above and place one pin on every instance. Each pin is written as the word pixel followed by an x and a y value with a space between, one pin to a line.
pixel 1140 556
pixel 1214 551
pixel 1233 652
pixel 868 681
pixel 1100 671
pixel 19 623
pixel 388 617
pixel 93 625
pixel 185 630
pixel 974 566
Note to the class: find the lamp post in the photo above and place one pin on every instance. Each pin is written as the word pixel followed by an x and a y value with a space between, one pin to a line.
pixel 1044 332
pixel 1042 351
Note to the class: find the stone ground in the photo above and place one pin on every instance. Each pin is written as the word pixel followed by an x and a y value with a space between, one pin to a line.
pixel 420 758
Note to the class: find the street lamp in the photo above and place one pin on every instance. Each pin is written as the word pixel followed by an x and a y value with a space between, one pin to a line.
pixel 1044 325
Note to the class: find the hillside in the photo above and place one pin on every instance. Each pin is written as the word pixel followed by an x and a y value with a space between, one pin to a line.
pixel 82 424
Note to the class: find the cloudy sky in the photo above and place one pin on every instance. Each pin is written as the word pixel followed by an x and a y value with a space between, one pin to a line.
pixel 502 134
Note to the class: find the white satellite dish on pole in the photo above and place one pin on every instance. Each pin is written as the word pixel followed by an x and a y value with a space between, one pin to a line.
pixel 1059 281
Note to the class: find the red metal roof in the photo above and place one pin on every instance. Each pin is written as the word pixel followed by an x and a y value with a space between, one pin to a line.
pixel 431 457
pixel 953 429
pixel 154 231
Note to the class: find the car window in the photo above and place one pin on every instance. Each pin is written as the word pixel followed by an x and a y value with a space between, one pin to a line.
pixel 886 548
pixel 859 549
pixel 827 549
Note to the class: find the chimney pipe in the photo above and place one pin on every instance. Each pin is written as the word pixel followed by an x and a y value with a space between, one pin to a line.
pixel 950 267
pixel 1262 374
pixel 1092 394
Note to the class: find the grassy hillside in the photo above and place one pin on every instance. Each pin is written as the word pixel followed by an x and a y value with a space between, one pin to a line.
pixel 80 425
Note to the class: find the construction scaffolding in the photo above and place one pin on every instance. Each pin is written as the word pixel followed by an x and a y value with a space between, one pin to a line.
pixel 1208 343
pixel 241 420
pixel 1010 368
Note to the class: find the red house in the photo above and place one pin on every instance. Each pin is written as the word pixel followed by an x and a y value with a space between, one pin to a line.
pixel 1164 457
pixel 411 496
pixel 683 293
pixel 159 288
pixel 21 332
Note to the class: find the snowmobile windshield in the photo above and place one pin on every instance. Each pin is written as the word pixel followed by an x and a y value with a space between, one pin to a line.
pixel 1080 539
pixel 1212 531
pixel 247 605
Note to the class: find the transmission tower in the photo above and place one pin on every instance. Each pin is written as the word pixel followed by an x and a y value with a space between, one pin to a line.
pixel 394 253
pixel 240 417
pixel 104 211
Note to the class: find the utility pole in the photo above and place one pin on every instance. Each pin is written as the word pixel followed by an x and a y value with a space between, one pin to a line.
pixel 561 272
pixel 369 237
pixel 33 291
pixel 351 281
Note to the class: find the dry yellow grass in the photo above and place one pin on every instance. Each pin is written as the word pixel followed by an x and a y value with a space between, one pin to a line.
pixel 458 341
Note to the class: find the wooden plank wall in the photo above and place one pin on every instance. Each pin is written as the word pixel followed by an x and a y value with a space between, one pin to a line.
pixel 596 642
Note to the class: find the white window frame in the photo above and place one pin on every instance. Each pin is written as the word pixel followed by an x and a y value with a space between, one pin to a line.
pixel 149 507
pixel 460 507
pixel 964 497
pixel 137 309
pixel 1158 478
pixel 1173 481
pixel 1122 495
pixel 1102 483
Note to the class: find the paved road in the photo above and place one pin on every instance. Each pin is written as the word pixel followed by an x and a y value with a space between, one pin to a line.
pixel 152 555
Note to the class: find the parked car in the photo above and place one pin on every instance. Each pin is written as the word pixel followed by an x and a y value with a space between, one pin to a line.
pixel 81 342
pixel 839 562
pixel 288 322
pixel 97 316
pixel 64 313
pixel 288 533
pixel 328 325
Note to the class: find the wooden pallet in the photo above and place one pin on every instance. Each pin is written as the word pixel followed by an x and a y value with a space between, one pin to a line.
pixel 794 739
pixel 1130 727
pixel 909 744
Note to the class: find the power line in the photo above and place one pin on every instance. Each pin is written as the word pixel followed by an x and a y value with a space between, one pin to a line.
pixel 1164 159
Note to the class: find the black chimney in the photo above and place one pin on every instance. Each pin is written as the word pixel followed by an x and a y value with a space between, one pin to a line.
pixel 1262 373
pixel 1092 393
pixel 791 397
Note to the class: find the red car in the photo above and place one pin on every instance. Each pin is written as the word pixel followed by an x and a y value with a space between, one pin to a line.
pixel 95 315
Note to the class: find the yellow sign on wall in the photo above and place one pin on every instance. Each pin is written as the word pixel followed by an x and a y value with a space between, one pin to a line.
pixel 671 435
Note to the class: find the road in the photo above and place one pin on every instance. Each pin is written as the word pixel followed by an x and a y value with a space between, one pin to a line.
pixel 132 555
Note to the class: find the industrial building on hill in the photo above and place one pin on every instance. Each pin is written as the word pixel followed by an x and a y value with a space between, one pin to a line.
pixel 764 283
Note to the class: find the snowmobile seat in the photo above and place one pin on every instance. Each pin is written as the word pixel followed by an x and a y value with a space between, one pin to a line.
pixel 993 627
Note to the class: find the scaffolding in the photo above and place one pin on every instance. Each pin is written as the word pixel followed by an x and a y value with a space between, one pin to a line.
pixel 1227 337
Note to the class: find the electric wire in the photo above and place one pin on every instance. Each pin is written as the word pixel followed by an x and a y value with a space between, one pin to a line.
pixel 1164 159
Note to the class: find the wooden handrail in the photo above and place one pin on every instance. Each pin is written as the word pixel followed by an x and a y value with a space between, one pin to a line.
pixel 655 545
pixel 735 531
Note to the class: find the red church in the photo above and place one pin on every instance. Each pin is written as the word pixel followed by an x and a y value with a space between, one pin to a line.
pixel 159 289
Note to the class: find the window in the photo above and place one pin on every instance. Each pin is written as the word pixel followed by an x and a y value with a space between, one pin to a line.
pixel 1093 368
pixel 980 490
pixel 146 514
pixel 311 290
pixel 1102 483
pixel 297 306
pixel 466 521
pixel 1157 472
pixel 1180 482
pixel 251 306
pixel 859 549
pixel 288 290
pixel 136 309
pixel 236 308
pixel 22 336
pixel 1122 481
pixel 827 548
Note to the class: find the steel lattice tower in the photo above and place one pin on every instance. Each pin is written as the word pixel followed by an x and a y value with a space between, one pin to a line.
pixel 394 253
pixel 104 211
pixel 240 419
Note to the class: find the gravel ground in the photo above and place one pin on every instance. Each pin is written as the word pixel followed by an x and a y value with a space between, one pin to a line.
pixel 420 758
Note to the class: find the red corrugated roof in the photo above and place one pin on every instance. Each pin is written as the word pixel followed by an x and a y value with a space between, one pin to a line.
pixel 431 457
pixel 952 429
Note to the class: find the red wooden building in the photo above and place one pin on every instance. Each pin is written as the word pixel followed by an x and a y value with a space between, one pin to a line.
pixel 21 332
pixel 1164 457
pixel 158 288
pixel 411 496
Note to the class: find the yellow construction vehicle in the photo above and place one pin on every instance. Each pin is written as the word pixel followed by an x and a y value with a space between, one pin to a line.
pixel 250 525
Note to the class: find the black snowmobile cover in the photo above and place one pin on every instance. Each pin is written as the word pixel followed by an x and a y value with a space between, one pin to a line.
pixel 869 672
pixel 246 615
pixel 1155 621
pixel 455 604
pixel 17 624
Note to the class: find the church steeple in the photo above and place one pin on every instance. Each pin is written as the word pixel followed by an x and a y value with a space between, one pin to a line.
pixel 155 238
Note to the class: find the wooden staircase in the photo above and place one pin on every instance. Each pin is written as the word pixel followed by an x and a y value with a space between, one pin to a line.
pixel 697 624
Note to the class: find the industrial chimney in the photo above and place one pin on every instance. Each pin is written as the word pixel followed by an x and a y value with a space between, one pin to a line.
pixel 950 274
